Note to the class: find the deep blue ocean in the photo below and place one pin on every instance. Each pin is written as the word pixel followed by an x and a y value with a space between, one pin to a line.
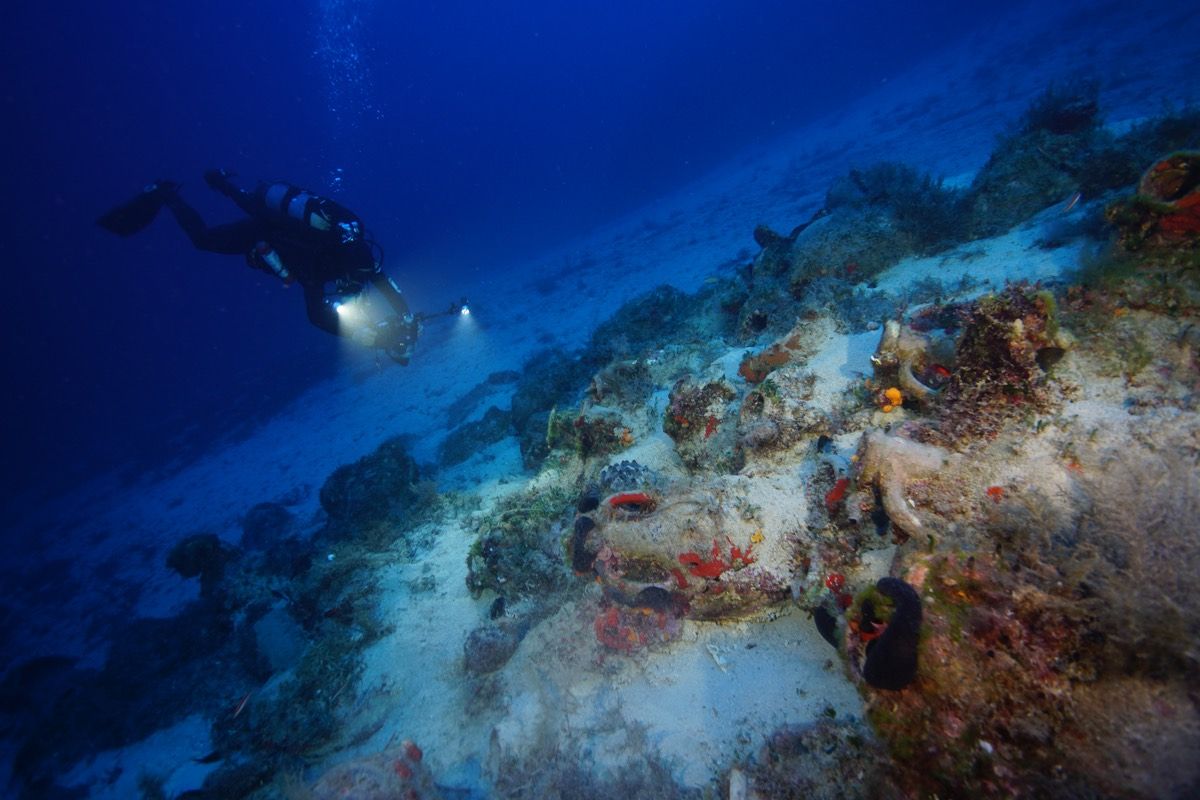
pixel 466 135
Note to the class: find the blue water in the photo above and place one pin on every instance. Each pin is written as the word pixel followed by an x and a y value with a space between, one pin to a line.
pixel 466 135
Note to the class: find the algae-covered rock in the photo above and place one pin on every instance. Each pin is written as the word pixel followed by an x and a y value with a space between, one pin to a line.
pixel 265 525
pixel 1003 356
pixel 519 549
pixel 1162 220
pixel 700 418
pixel 376 488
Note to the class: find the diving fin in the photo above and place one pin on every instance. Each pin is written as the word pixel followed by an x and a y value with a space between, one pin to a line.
pixel 131 217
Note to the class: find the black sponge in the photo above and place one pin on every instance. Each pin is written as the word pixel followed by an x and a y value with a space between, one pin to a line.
pixel 892 658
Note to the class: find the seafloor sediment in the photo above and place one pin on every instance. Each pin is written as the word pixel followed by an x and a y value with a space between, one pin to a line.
pixel 903 506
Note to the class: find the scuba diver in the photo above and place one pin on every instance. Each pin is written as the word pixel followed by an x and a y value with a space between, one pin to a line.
pixel 299 238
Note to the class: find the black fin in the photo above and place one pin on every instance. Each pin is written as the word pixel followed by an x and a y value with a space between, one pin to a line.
pixel 131 217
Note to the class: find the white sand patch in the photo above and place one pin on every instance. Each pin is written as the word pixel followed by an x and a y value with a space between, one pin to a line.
pixel 841 360
pixel 986 265
pixel 698 702
pixel 167 755
pixel 494 463
pixel 418 669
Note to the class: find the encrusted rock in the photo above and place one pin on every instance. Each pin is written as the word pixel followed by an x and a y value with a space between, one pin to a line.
pixel 711 550
pixel 699 418
pixel 372 489
pixel 264 525
pixel 490 646
pixel 627 476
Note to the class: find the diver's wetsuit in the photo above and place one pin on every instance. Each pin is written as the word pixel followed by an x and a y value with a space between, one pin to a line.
pixel 312 258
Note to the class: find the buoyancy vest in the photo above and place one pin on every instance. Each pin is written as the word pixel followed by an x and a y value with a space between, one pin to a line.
pixel 314 214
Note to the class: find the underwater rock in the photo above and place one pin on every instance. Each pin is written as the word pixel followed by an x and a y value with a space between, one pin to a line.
pixel 852 243
pixel 891 659
pixel 491 645
pixel 201 555
pixel 623 383
pixel 825 759
pixel 1037 165
pixel 549 378
pixel 532 440
pixel 659 317
pixel 264 525
pixel 460 409
pixel 586 434
pixel 398 772
pixel 377 487
pixel 473 437
pixel 1069 107
pixel 1011 701
pixel 279 639
pixel 520 548
pixel 998 377
pixel 699 419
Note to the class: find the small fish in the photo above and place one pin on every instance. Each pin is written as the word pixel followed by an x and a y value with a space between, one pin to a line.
pixel 242 705
pixel 1074 201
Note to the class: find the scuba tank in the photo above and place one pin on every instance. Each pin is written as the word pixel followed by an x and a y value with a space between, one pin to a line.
pixel 318 214
pixel 264 256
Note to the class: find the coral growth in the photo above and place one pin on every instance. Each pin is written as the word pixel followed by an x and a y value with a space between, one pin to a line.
pixel 519 549
pixel 696 419
pixel 1163 218
pixel 1007 343
pixel 626 629
pixel 378 489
